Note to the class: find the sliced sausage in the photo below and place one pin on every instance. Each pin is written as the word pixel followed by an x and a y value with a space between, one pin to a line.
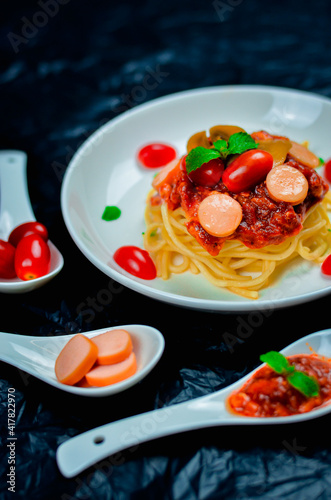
pixel 103 375
pixel 219 214
pixel 167 174
pixel 286 183
pixel 113 346
pixel 303 155
pixel 75 360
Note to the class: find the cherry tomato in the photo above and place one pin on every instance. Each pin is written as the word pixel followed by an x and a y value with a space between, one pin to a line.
pixel 7 256
pixel 249 169
pixel 209 174
pixel 327 170
pixel 32 257
pixel 135 261
pixel 156 155
pixel 25 229
pixel 326 266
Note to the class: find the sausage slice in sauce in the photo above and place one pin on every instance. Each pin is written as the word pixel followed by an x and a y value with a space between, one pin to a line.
pixel 219 214
pixel 303 155
pixel 286 183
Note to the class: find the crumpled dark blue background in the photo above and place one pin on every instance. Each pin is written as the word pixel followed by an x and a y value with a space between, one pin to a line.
pixel 67 67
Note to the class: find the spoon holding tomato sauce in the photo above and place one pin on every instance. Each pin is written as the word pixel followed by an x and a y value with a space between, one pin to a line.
pixel 15 210
pixel 84 450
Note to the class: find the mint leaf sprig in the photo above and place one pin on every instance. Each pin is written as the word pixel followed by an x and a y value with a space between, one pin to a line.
pixel 238 143
pixel 307 385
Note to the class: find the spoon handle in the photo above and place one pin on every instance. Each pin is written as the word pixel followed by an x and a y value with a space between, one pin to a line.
pixel 84 450
pixel 15 206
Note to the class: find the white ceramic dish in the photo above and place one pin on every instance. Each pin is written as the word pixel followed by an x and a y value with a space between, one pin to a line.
pixel 37 355
pixel 104 172
pixel 87 448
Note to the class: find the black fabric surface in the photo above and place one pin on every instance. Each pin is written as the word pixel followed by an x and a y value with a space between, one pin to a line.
pixel 67 67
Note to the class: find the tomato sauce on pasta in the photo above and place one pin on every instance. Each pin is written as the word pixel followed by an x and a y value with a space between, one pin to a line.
pixel 265 222
pixel 271 232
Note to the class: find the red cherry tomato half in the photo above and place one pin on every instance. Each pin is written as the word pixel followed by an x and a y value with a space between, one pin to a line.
pixel 25 229
pixel 209 174
pixel 32 257
pixel 327 170
pixel 156 155
pixel 326 266
pixel 249 169
pixel 135 261
pixel 7 256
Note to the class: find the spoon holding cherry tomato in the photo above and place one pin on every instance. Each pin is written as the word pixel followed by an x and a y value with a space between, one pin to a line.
pixel 32 257
pixel 16 210
pixel 25 229
pixel 7 259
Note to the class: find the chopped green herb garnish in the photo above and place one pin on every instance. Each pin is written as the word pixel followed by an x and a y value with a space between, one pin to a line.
pixel 237 144
pixel 276 361
pixel 111 213
pixel 322 162
pixel 221 146
pixel 304 383
pixel 307 385
pixel 240 142
pixel 198 156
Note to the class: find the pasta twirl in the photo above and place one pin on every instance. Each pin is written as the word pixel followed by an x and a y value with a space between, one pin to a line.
pixel 237 268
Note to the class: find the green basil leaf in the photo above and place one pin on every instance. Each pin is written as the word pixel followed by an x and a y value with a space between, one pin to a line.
pixel 198 156
pixel 222 147
pixel 307 385
pixel 276 361
pixel 240 142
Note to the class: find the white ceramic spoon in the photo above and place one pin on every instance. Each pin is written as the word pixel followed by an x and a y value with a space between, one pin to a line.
pixel 15 208
pixel 82 451
pixel 37 355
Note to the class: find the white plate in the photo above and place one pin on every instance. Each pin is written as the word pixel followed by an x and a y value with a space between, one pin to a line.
pixel 104 172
